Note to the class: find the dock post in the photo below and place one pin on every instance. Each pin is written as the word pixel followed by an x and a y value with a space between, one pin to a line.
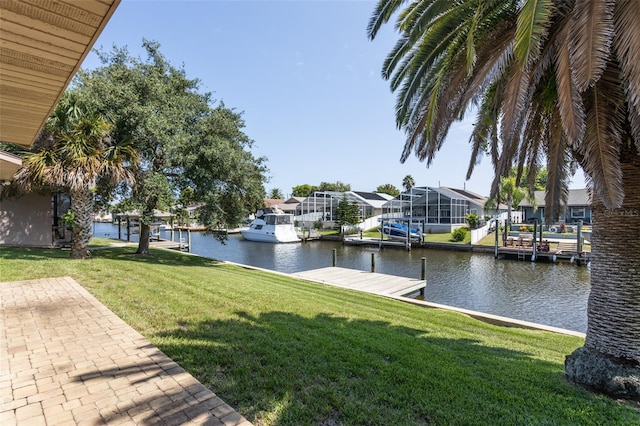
pixel 497 231
pixel 335 257
pixel 534 244
pixel 579 242
pixel 373 262
pixel 423 275
pixel 189 240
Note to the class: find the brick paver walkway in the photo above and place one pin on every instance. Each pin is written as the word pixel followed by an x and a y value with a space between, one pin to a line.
pixel 66 359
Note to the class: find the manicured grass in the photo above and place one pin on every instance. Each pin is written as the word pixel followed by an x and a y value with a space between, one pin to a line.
pixel 446 238
pixel 288 352
pixel 430 238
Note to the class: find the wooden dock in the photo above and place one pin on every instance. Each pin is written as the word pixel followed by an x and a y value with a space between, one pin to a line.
pixel 168 244
pixel 368 282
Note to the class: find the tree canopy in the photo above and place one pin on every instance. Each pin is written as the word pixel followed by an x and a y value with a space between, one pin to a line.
pixel 185 140
pixel 73 153
pixel 306 190
pixel 388 188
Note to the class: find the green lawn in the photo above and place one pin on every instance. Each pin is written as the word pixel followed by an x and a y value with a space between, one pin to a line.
pixel 429 238
pixel 288 352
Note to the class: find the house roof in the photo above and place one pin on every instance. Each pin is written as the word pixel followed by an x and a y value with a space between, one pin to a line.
pixel 373 196
pixel 43 44
pixel 294 200
pixel 471 196
pixel 372 199
pixel 135 214
pixel 577 197
pixel 271 202
pixel 9 165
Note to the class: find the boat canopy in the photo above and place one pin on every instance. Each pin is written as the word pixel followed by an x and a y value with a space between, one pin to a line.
pixel 277 219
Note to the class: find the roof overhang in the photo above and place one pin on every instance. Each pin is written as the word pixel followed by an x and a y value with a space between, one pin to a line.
pixel 9 165
pixel 42 45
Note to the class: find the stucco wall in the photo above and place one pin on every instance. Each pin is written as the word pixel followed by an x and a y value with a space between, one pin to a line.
pixel 26 221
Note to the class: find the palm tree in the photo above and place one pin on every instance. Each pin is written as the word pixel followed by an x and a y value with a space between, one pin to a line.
pixel 555 81
pixel 511 194
pixel 276 194
pixel 72 153
pixel 408 182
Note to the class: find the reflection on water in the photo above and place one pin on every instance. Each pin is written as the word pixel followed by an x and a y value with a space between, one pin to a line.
pixel 552 294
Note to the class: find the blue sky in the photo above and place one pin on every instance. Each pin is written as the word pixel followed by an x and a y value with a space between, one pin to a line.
pixel 307 80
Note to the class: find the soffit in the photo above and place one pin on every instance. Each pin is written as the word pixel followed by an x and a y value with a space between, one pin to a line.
pixel 42 45
pixel 9 164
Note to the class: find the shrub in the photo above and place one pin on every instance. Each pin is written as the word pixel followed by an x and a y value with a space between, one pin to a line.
pixel 530 229
pixel 317 224
pixel 473 220
pixel 523 228
pixel 459 234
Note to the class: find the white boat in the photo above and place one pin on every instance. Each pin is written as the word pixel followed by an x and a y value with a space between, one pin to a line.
pixel 271 227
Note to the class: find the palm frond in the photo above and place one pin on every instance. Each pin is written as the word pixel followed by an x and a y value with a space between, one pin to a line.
pixel 381 15
pixel 569 99
pixel 590 40
pixel 627 40
pixel 600 147
pixel 634 123
pixel 532 28
pixel 557 191
pixel 515 95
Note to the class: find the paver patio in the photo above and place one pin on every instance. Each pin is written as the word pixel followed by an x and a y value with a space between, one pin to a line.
pixel 65 359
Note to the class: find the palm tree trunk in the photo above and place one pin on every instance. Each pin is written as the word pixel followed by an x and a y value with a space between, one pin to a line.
pixel 610 359
pixel 82 208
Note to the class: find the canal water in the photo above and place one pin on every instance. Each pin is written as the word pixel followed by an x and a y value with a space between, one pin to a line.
pixel 545 293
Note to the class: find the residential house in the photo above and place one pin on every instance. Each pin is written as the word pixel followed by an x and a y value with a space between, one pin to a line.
pixel 33 220
pixel 323 205
pixel 578 207
pixel 41 54
pixel 290 205
pixel 440 210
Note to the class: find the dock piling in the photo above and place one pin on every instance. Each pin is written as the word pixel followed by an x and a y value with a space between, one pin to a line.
pixel 423 275
pixel 335 257
pixel 373 262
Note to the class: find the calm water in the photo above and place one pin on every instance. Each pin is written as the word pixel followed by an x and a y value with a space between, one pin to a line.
pixel 552 294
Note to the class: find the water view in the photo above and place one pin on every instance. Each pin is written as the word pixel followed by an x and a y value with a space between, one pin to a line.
pixel 551 294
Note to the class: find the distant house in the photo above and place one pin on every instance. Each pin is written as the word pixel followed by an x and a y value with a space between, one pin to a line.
pixel 578 207
pixel 290 205
pixel 323 205
pixel 272 202
pixel 440 209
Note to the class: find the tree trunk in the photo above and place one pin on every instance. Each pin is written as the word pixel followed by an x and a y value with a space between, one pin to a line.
pixel 609 362
pixel 145 236
pixel 82 208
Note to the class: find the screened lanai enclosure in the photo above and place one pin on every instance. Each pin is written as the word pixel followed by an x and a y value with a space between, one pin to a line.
pixel 323 205
pixel 439 209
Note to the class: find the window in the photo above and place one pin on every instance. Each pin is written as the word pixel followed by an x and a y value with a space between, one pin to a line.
pixel 577 212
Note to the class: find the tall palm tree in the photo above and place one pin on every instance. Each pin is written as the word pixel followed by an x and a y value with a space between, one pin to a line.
pixel 408 182
pixel 74 151
pixel 555 81
pixel 511 194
